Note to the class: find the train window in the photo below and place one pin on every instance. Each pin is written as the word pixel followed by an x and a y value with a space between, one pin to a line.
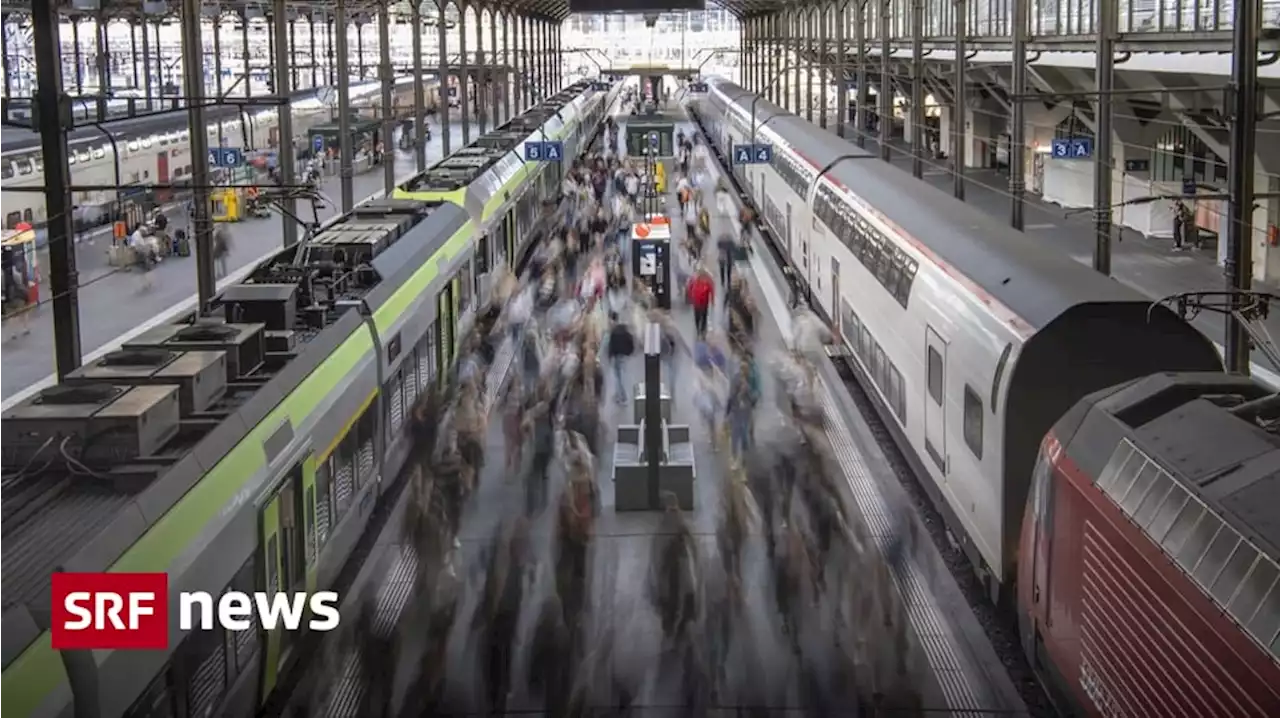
pixel 6 170
pixel 972 420
pixel 1138 491
pixel 12 219
pixel 40 164
pixel 164 140
pixel 1248 598
pixel 1215 559
pixel 1266 620
pixel 1198 541
pixel 146 143
pixel 1169 510
pixel 878 374
pixel 1232 575
pixel 1000 365
pixel 864 340
pixel 25 167
pixel 897 397
pixel 26 215
pixel 71 158
pixel 133 145
pixel 1124 461
pixel 1160 488
pixel 935 376
pixel 99 153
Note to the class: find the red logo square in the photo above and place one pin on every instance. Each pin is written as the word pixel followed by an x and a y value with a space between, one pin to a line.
pixel 97 611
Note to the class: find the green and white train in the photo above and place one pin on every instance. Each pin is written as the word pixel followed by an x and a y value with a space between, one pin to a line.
pixel 287 429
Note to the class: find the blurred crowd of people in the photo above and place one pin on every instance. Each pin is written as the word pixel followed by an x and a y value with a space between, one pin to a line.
pixel 536 635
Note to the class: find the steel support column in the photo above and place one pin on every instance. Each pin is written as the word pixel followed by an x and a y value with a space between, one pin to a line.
pixel 464 76
pixel 293 50
pixel 1104 75
pixel 148 90
pixel 419 91
pixel 494 97
pixel 825 13
pixel 285 152
pixel 917 89
pixel 775 90
pixel 860 81
pixel 1018 133
pixel 810 46
pixel 193 89
pixel 1244 121
pixel 960 100
pixel 315 58
pixel 346 173
pixel 508 66
pixel 244 50
pixel 840 12
pixel 104 63
pixel 64 280
pixel 388 78
pixel 795 60
pixel 482 73
pixel 442 52
pixel 885 96
pixel 520 49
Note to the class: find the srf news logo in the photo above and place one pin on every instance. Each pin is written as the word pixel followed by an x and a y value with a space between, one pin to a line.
pixel 108 611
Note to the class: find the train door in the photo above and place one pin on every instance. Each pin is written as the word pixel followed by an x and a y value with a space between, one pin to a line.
pixel 456 293
pixel 288 554
pixel 787 229
pixel 444 330
pixel 162 175
pixel 834 310
pixel 509 238
pixel 935 411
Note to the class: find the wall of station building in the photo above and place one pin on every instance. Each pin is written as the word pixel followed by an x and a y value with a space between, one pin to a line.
pixel 1153 152
pixel 678 40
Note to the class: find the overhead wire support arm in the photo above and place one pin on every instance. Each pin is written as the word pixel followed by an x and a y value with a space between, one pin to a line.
pixel 1248 309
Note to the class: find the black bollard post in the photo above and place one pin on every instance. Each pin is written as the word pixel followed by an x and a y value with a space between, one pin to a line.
pixel 653 410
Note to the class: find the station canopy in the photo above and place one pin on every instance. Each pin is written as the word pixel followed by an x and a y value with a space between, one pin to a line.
pixel 556 10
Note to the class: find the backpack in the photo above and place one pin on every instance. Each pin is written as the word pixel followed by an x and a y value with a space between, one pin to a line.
pixel 621 343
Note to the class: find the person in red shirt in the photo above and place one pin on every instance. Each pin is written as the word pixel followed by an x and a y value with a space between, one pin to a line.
pixel 701 293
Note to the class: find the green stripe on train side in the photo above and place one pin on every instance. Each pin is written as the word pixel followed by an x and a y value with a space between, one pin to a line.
pixel 38 671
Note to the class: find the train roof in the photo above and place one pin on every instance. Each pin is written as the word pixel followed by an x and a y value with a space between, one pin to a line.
pixel 463 167
pixel 1214 435
pixel 1037 284
pixel 81 513
pixel 18 140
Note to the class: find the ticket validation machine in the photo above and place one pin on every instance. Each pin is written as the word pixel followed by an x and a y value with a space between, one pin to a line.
pixel 651 257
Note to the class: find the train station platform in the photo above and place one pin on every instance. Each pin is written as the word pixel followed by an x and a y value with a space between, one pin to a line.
pixel 114 305
pixel 1149 264
pixel 950 659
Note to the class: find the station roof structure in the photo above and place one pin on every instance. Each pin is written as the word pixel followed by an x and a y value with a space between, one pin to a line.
pixel 555 10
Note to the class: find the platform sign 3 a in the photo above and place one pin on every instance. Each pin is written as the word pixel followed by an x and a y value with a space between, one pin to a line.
pixel 1072 148
pixel 543 151
pixel 754 154
pixel 227 157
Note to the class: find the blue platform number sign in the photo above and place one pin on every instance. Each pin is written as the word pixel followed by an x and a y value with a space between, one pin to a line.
pixel 1072 148
pixel 697 87
pixel 228 157
pixel 653 140
pixel 1188 187
pixel 758 154
pixel 543 151
pixel 317 143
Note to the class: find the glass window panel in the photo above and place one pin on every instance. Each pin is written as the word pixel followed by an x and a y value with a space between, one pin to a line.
pixel 1153 500
pixel 1261 579
pixel 1202 534
pixel 1182 526
pixel 1215 559
pixel 1266 620
pixel 1125 456
pixel 1170 507
pixel 1231 577
pixel 1141 486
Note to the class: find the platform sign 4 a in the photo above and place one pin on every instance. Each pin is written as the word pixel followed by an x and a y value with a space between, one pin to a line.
pixel 1072 148
pixel 543 151
pixel 754 154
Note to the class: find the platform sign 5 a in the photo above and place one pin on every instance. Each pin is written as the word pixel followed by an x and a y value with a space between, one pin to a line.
pixel 756 154
pixel 653 140
pixel 1072 148
pixel 228 157
pixel 543 151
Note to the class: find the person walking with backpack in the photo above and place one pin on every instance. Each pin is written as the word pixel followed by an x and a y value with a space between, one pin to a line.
pixel 701 294
pixel 622 344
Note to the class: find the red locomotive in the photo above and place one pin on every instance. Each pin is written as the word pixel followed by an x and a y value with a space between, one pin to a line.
pixel 1148 564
